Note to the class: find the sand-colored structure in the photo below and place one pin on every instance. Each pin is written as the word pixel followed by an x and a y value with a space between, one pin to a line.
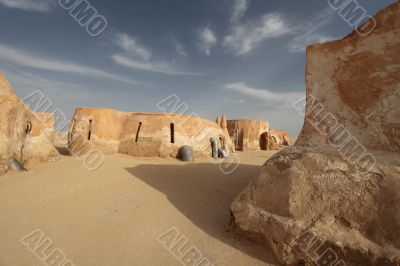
pixel 23 135
pixel 278 138
pixel 249 135
pixel 333 198
pixel 48 121
pixel 255 135
pixel 144 134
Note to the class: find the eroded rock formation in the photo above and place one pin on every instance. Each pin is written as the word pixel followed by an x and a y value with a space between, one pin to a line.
pixel 22 133
pixel 333 198
pixel 144 134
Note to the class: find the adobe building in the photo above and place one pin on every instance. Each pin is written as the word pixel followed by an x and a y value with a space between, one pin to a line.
pixel 249 135
pixel 22 133
pixel 278 138
pixel 255 135
pixel 145 134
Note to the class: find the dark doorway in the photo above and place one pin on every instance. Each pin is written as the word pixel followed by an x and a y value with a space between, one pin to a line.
pixel 264 142
pixel 172 130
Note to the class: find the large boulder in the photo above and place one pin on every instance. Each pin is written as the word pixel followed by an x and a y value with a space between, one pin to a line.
pixel 333 198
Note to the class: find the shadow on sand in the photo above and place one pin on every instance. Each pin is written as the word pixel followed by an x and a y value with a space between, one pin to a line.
pixel 204 194
pixel 63 151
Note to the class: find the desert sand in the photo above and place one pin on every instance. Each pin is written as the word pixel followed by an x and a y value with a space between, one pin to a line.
pixel 113 216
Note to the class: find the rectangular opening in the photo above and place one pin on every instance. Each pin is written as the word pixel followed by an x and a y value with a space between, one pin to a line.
pixel 172 127
pixel 90 129
pixel 138 132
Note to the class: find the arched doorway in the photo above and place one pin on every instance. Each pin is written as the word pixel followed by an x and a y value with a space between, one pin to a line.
pixel 264 141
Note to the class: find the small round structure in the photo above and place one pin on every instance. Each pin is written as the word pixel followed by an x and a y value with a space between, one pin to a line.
pixel 186 154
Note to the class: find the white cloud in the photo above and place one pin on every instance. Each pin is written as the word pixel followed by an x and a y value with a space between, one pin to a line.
pixel 22 58
pixel 136 56
pixel 28 5
pixel 310 32
pixel 239 9
pixel 269 97
pixel 159 67
pixel 131 45
pixel 26 81
pixel 180 49
pixel 234 101
pixel 207 40
pixel 244 38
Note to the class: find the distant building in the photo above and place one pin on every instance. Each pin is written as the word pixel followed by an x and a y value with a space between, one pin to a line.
pixel 255 135
pixel 144 134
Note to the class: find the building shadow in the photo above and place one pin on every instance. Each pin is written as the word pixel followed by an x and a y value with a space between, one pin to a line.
pixel 63 151
pixel 204 194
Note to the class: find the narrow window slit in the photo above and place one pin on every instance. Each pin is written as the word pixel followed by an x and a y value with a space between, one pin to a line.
pixel 138 131
pixel 172 127
pixel 90 129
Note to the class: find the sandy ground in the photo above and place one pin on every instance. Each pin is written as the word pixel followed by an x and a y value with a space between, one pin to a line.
pixel 113 216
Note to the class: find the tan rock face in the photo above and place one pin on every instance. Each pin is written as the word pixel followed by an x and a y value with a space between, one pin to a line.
pixel 22 133
pixel 144 134
pixel 249 135
pixel 334 196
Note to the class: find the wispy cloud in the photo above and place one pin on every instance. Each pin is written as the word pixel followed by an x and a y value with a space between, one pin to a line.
pixel 23 80
pixel 245 37
pixel 207 40
pixel 311 31
pixel 239 9
pixel 234 101
pixel 158 67
pixel 269 97
pixel 28 5
pixel 23 58
pixel 136 56
pixel 132 47
pixel 180 49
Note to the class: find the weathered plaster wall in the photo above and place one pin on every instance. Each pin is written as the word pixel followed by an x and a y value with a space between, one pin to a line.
pixel 144 134
pixel 246 134
pixel 22 134
pixel 48 122
pixel 277 139
pixel 5 86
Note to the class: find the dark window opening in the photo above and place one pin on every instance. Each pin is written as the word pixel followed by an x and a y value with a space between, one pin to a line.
pixel 28 127
pixel 138 131
pixel 172 126
pixel 90 129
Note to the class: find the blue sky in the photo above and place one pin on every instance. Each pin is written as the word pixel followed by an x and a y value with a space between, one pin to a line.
pixel 241 58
